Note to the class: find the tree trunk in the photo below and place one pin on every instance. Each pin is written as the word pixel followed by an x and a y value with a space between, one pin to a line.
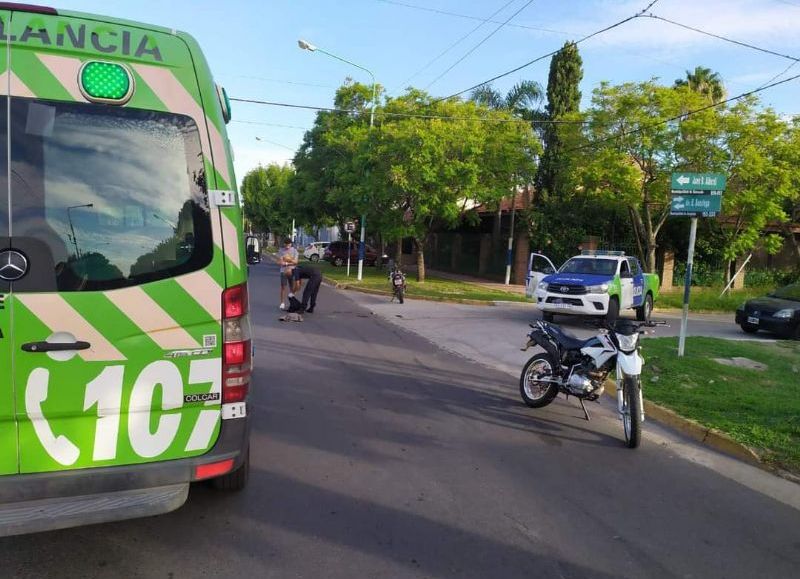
pixel 497 228
pixel 650 266
pixel 790 235
pixel 398 253
pixel 420 261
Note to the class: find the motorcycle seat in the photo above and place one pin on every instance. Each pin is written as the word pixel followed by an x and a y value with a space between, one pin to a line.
pixel 567 340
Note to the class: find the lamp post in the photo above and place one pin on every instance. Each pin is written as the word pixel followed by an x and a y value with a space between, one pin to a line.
pixel 311 48
pixel 72 229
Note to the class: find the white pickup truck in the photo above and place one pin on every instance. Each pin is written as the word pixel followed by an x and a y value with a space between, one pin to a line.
pixel 595 283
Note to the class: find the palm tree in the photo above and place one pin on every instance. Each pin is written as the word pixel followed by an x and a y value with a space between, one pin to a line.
pixel 523 99
pixel 705 82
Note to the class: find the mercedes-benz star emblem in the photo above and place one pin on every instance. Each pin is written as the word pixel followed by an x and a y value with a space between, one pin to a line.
pixel 13 265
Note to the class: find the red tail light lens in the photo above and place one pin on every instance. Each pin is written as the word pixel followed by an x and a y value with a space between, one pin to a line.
pixel 214 469
pixel 236 359
pixel 234 302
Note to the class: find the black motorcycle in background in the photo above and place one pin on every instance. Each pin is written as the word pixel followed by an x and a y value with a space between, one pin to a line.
pixel 398 280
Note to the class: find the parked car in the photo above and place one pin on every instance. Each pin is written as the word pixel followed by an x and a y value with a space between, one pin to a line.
pixel 336 254
pixel 316 250
pixel 777 312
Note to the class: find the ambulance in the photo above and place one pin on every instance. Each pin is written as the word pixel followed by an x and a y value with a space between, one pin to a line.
pixel 125 347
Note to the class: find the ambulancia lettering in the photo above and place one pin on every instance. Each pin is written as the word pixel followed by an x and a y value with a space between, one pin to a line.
pixel 102 38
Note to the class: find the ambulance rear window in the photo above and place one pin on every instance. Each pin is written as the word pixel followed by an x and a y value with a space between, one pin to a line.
pixel 106 197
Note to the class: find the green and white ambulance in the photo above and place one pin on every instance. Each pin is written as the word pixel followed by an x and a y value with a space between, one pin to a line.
pixel 125 349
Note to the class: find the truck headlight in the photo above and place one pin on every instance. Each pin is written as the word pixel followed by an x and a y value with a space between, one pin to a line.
pixel 543 285
pixel 598 289
pixel 783 314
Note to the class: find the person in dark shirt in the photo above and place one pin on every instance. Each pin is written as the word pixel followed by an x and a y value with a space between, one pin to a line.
pixel 313 279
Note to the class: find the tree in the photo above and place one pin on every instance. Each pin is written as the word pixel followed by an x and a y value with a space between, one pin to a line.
pixel 328 187
pixel 563 98
pixel 630 147
pixel 705 82
pixel 523 99
pixel 425 172
pixel 267 198
pixel 761 160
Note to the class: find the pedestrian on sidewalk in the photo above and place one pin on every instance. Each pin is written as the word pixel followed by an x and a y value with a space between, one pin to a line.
pixel 287 258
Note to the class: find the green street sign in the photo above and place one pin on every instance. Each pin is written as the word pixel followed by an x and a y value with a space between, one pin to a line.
pixel 703 205
pixel 698 182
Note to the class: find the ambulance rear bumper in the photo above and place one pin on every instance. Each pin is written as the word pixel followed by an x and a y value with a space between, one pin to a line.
pixel 46 501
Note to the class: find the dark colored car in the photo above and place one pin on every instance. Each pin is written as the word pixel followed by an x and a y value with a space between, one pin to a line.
pixel 336 253
pixel 778 312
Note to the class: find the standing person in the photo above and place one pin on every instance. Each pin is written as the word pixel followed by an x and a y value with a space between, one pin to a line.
pixel 287 258
pixel 314 277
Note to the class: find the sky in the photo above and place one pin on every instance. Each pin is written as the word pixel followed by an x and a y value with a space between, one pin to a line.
pixel 251 46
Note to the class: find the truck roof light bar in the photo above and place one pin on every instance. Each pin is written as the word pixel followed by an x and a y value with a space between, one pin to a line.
pixel 602 252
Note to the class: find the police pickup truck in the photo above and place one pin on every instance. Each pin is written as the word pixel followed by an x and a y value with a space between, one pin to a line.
pixel 595 283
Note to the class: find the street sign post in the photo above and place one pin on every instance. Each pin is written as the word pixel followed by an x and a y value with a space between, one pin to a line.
pixel 349 227
pixel 695 195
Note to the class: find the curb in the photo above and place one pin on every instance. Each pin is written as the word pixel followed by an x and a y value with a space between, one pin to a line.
pixel 343 286
pixel 705 435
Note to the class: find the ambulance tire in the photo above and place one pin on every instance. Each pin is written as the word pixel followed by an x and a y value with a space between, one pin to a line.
pixel 236 480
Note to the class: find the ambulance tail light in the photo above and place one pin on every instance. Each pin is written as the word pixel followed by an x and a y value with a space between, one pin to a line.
pixel 236 345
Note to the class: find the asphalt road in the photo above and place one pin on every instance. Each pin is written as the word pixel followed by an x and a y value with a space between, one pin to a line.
pixel 494 335
pixel 376 454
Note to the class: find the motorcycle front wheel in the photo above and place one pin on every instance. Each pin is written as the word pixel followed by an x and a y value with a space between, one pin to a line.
pixel 535 392
pixel 631 411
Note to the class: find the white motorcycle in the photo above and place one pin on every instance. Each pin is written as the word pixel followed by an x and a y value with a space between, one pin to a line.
pixel 580 368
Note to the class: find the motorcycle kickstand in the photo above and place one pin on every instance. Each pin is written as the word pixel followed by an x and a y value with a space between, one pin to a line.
pixel 583 407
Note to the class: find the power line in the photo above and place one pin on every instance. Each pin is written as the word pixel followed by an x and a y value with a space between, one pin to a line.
pixel 278 80
pixel 406 115
pixel 275 143
pixel 457 42
pixel 684 115
pixel 468 17
pixel 550 54
pixel 474 48
pixel 261 123
pixel 720 37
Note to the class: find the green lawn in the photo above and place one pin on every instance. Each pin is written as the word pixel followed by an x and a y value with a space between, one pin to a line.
pixel 758 408
pixel 706 299
pixel 435 288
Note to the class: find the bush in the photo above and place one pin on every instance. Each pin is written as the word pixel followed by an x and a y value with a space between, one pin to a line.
pixel 770 277
pixel 708 276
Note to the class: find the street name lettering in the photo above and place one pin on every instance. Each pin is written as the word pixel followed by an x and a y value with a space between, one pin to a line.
pixel 698 182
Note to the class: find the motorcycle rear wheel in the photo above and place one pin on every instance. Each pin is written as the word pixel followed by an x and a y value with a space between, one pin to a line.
pixel 401 294
pixel 631 411
pixel 536 393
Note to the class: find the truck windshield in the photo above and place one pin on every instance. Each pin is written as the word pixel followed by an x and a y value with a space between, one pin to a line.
pixel 590 266
pixel 106 197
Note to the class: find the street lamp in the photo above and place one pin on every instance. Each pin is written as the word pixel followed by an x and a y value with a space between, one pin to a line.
pixel 72 229
pixel 304 45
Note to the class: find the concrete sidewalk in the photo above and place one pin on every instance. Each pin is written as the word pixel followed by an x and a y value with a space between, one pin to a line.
pixel 511 288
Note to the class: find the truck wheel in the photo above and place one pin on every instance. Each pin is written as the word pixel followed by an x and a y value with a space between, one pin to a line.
pixel 613 311
pixel 643 313
pixel 547 317
pixel 314 257
pixel 235 480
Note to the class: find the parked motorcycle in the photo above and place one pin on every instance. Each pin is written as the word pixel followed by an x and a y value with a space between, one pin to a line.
pixel 579 368
pixel 398 280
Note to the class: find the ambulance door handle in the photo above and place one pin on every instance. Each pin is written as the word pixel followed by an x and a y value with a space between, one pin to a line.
pixel 55 347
